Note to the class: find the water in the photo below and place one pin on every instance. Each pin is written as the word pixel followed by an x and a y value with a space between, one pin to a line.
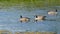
pixel 9 20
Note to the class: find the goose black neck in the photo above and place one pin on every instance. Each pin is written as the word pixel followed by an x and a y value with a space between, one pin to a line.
pixel 36 16
pixel 56 10
pixel 20 16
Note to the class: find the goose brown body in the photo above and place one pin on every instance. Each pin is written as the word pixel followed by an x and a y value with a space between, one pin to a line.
pixel 24 19
pixel 40 18
pixel 52 12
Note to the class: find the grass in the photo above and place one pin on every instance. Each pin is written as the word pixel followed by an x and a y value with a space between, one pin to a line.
pixel 29 3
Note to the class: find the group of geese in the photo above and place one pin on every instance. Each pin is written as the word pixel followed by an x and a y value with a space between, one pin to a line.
pixel 38 17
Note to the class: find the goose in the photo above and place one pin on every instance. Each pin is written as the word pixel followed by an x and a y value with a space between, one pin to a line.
pixel 24 19
pixel 52 12
pixel 39 18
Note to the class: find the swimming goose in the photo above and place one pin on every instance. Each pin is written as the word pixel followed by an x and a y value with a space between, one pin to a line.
pixel 39 18
pixel 24 19
pixel 53 12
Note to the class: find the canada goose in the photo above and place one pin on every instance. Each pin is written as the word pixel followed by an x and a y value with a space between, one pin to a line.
pixel 53 12
pixel 24 19
pixel 39 18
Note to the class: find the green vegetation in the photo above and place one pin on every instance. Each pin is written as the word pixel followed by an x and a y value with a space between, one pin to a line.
pixel 29 3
